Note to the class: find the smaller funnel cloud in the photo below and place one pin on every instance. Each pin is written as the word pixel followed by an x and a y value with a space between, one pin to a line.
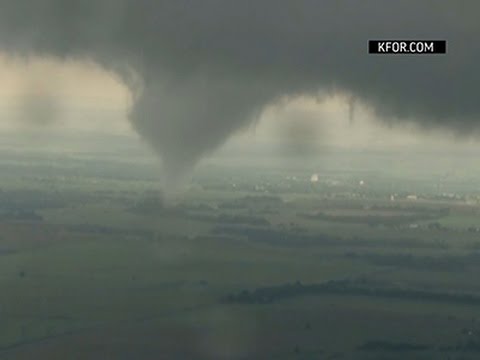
pixel 300 138
pixel 35 119
pixel 351 110
pixel 297 126
pixel 32 101
pixel 35 111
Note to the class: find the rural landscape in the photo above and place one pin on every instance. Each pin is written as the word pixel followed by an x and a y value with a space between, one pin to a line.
pixel 249 262
pixel 239 180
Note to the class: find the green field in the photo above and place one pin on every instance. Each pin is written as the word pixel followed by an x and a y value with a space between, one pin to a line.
pixel 98 266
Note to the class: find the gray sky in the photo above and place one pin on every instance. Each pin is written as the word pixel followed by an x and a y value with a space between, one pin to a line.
pixel 92 99
pixel 198 72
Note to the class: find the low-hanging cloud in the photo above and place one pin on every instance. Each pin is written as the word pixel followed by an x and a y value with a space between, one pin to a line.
pixel 208 68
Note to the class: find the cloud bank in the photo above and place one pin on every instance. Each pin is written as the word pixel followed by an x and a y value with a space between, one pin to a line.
pixel 202 70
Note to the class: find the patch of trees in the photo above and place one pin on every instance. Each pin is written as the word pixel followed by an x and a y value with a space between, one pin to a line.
pixel 271 236
pixel 243 219
pixel 375 220
pixel 372 220
pixel 294 235
pixel 468 346
pixel 380 345
pixel 439 263
pixel 30 200
pixel 267 295
pixel 4 252
pixel 257 202
pixel 157 206
pixel 414 209
pixel 201 207
pixel 105 230
pixel 231 219
pixel 20 215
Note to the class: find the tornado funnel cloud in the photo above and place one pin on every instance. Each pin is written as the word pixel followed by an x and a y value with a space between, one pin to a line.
pixel 208 68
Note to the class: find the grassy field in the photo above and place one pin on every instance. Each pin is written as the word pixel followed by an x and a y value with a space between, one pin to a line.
pixel 99 275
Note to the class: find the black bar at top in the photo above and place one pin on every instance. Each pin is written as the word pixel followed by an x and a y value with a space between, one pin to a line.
pixel 411 47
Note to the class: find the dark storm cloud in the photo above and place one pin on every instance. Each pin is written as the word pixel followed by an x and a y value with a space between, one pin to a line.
pixel 210 66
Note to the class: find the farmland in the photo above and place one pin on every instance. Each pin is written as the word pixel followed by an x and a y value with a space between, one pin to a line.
pixel 247 263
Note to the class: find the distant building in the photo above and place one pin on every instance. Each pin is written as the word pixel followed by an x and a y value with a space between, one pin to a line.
pixel 412 197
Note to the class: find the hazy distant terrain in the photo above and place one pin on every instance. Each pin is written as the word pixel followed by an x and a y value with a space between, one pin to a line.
pixel 358 262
